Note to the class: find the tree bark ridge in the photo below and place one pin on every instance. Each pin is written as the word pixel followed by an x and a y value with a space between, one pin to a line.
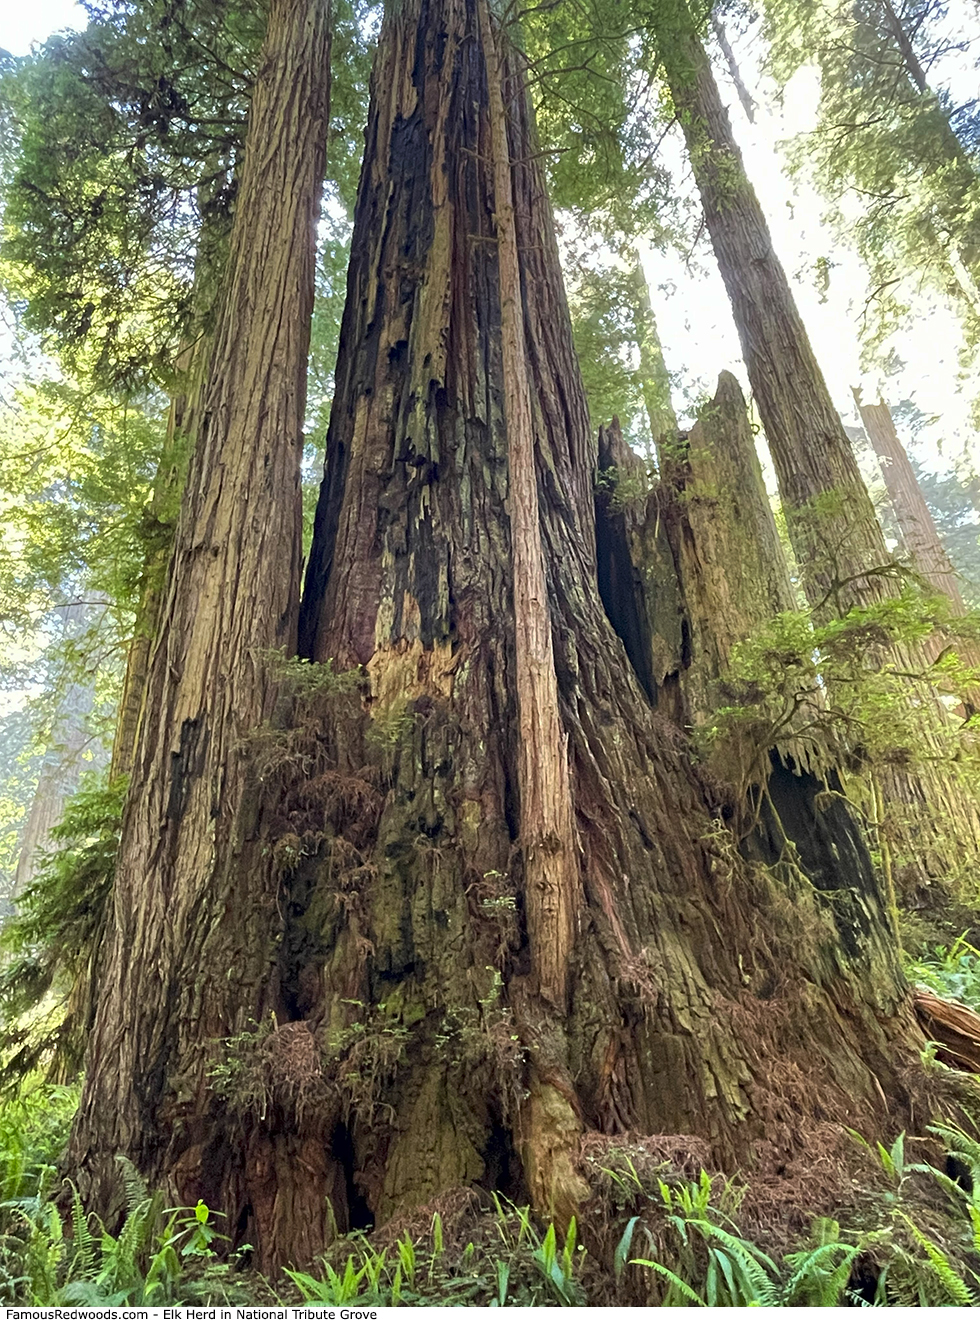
pixel 194 917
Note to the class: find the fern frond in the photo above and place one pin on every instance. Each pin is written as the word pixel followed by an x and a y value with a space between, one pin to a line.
pixel 83 1241
pixel 755 1265
pixel 953 1284
pixel 133 1183
pixel 681 1286
pixel 817 1278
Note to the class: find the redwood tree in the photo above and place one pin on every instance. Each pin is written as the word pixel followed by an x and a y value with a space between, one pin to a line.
pixel 831 519
pixel 420 939
pixel 915 522
pixel 338 885
pixel 838 543
pixel 193 932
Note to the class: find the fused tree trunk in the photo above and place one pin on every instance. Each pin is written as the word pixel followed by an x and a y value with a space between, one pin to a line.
pixel 688 574
pixel 160 515
pixel 547 827
pixel 194 928
pixel 712 510
pixel 410 931
pixel 915 522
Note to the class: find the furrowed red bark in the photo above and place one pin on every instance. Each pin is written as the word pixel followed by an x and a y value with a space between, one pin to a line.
pixel 164 497
pixel 547 830
pixel 195 910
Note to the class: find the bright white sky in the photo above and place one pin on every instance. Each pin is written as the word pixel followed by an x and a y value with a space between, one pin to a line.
pixel 696 327
pixel 25 21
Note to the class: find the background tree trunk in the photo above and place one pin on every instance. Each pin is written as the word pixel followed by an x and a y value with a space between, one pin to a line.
pixel 411 902
pixel 195 925
pixel 831 519
pixel 915 522
pixel 654 377
pixel 838 543
pixel 62 764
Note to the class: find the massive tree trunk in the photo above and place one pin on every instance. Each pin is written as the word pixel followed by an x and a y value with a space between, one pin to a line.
pixel 411 938
pixel 688 574
pixel 195 904
pixel 708 524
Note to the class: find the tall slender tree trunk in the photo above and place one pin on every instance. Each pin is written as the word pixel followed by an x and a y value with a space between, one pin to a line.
pixel 547 829
pixel 417 970
pixel 654 377
pixel 919 533
pixel 159 519
pixel 832 522
pixel 161 513
pixel 195 927
pixel 915 522
pixel 735 73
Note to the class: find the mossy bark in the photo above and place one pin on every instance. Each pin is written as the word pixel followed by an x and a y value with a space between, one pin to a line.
pixel 702 987
pixel 699 564
pixel 353 866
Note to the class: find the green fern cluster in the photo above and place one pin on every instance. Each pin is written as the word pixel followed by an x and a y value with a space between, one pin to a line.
pixel 511 1264
pixel 953 972
pixel 699 1257
pixel 159 1256
pixel 716 1267
pixel 53 941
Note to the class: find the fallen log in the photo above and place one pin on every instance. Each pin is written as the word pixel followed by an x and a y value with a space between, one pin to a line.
pixel 954 1027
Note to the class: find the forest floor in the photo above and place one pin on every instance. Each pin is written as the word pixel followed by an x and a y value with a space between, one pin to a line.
pixel 863 1224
